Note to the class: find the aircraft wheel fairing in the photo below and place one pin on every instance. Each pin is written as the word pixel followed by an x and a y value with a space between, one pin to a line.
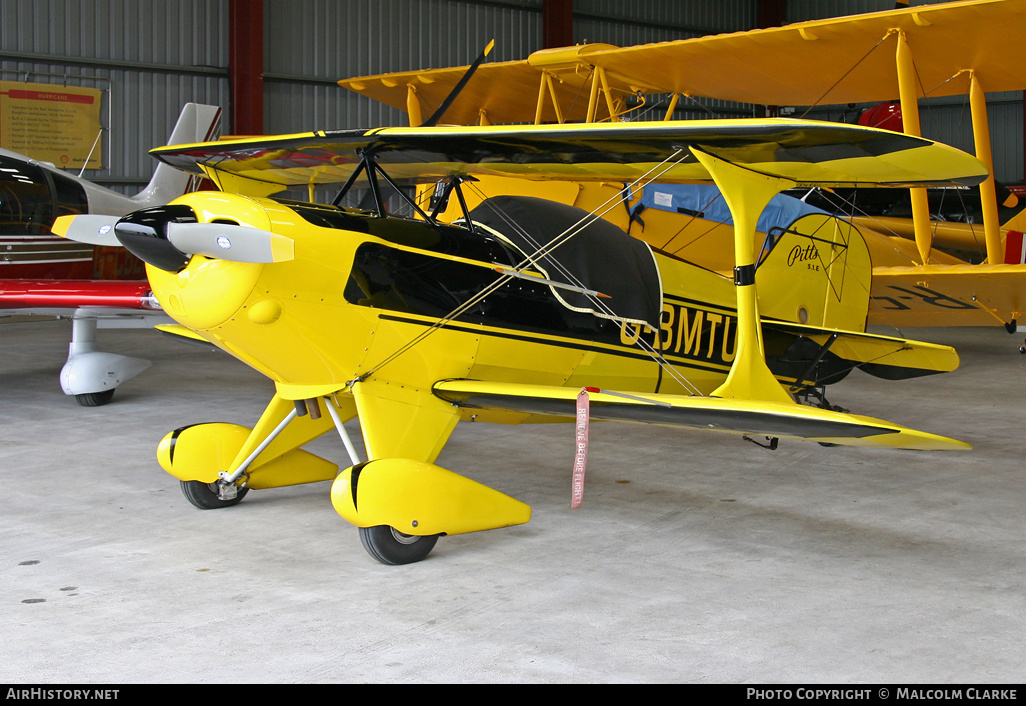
pixel 390 546
pixel 205 495
pixel 421 499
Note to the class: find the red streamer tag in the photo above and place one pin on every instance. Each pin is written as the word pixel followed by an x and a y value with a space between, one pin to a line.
pixel 581 458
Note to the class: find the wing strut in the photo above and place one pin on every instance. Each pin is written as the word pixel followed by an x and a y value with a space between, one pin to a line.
pixel 373 170
pixel 747 193
pixel 453 184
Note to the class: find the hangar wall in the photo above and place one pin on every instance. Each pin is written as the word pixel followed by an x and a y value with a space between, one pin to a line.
pixel 148 57
pixel 152 56
pixel 377 36
pixel 372 37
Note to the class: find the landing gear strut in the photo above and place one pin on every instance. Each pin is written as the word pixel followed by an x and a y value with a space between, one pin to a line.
pixel 816 397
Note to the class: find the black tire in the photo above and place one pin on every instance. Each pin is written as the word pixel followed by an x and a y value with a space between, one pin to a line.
pixel 204 495
pixel 392 547
pixel 95 399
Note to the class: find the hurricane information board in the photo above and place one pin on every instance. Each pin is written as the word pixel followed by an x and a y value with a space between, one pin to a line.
pixel 51 123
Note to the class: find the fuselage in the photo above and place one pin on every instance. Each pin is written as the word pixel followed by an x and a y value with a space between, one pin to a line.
pixel 32 195
pixel 361 287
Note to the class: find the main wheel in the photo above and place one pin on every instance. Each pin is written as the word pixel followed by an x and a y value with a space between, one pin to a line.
pixel 390 546
pixel 204 495
pixel 95 399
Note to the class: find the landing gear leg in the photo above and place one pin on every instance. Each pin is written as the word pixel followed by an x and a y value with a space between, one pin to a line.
pixel 816 397
pixel 91 375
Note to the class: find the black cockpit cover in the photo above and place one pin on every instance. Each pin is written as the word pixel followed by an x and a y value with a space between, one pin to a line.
pixel 601 257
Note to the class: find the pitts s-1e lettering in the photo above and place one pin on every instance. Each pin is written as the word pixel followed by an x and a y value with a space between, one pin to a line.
pixel 508 312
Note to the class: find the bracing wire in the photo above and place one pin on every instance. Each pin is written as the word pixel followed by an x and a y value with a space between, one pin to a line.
pixel 845 75
pixel 653 174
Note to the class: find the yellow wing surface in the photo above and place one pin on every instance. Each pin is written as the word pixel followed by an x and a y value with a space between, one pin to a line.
pixel 948 295
pixel 502 92
pixel 837 60
pixel 709 413
pixel 806 152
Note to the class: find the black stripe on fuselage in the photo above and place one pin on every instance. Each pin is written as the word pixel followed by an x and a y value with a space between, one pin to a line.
pixel 496 333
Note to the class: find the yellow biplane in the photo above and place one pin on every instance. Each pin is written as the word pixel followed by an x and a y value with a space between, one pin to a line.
pixel 922 271
pixel 522 310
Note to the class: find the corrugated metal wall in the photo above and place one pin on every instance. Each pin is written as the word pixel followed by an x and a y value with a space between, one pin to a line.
pixel 148 57
pixel 336 40
pixel 802 10
pixel 646 21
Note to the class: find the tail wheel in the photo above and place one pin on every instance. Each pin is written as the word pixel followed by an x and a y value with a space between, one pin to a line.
pixel 205 496
pixel 390 546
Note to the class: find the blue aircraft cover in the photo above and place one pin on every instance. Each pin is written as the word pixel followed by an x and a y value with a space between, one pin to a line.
pixel 705 201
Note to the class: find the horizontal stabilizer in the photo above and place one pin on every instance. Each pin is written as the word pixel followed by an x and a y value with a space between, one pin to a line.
pixel 883 356
pixel 76 293
pixel 737 416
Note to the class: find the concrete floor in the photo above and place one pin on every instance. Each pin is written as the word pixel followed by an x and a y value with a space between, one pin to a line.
pixel 696 557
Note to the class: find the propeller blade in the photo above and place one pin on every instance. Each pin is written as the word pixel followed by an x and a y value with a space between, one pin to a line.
pixel 89 229
pixel 437 115
pixel 223 241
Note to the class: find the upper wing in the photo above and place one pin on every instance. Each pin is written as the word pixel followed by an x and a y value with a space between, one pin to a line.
pixel 711 413
pixel 500 92
pixel 807 152
pixel 838 60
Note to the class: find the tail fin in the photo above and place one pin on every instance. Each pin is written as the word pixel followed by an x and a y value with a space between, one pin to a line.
pixel 817 272
pixel 197 123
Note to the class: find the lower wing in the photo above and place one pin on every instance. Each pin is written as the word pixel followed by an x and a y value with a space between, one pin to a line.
pixel 73 293
pixel 948 295
pixel 735 416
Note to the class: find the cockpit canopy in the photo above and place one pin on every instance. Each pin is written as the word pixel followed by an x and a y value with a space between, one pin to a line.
pixel 32 197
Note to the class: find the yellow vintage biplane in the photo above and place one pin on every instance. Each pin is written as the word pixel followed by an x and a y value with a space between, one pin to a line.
pixel 926 271
pixel 517 310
